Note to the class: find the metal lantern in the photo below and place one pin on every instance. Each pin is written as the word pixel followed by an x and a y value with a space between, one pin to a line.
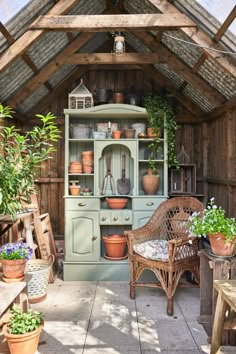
pixel 80 97
pixel 119 44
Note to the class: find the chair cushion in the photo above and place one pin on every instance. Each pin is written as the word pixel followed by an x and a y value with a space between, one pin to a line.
pixel 156 250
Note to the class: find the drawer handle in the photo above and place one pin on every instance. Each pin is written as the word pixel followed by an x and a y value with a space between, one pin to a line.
pixel 81 204
pixel 115 218
pixel 127 218
pixel 150 204
pixel 94 238
pixel 104 218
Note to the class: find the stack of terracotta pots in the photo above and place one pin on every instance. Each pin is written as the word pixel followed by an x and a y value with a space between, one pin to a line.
pixel 87 161
pixel 75 167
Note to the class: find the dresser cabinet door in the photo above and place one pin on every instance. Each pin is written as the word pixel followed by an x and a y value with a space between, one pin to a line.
pixel 83 236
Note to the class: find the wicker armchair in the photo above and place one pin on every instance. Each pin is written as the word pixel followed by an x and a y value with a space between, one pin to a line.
pixel 168 223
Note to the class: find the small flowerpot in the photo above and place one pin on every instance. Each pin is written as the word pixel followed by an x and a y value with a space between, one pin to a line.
pixel 13 270
pixel 151 134
pixel 115 246
pixel 26 343
pixel 74 190
pixel 87 169
pixel 219 246
pixel 116 134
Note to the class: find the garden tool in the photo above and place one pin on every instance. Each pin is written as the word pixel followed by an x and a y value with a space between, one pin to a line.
pixel 123 184
pixel 108 176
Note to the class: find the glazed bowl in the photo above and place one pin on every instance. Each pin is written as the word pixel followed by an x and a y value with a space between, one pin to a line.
pixel 116 203
pixel 99 135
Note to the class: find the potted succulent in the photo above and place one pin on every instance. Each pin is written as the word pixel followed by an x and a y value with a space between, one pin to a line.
pixel 21 155
pixel 213 223
pixel 13 257
pixel 161 116
pixel 23 330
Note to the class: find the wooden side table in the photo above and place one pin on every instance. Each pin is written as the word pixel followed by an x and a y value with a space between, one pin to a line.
pixel 226 298
pixel 213 268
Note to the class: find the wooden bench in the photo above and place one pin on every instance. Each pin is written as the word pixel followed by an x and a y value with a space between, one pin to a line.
pixel 11 293
pixel 226 300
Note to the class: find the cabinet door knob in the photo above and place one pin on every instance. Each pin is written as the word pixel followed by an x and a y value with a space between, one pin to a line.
pixel 115 218
pixel 104 218
pixel 149 203
pixel 94 238
pixel 81 204
pixel 127 218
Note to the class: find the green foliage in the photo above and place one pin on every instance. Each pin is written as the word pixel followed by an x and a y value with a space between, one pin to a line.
pixel 161 115
pixel 6 111
pixel 212 220
pixel 21 323
pixel 20 156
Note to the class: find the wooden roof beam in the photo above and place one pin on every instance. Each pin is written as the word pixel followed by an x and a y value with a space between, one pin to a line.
pixel 161 79
pixel 197 36
pixel 29 37
pixel 104 23
pixel 180 68
pixel 111 59
pixel 48 70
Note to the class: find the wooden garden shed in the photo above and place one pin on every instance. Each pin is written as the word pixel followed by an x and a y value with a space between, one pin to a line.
pixel 176 48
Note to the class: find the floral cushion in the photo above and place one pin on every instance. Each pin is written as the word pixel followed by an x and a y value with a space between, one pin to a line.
pixel 156 250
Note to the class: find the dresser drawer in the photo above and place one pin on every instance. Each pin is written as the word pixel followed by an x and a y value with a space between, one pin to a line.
pixel 147 203
pixel 116 217
pixel 83 204
pixel 105 217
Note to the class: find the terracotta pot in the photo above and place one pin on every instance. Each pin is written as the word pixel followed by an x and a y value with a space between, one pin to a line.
pixel 115 245
pixel 150 183
pixel 151 134
pixel 118 97
pixel 74 190
pixel 13 270
pixel 219 246
pixel 87 169
pixel 116 134
pixel 23 343
pixel 116 203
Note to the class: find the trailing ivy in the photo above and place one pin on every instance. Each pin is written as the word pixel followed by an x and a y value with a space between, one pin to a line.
pixel 161 115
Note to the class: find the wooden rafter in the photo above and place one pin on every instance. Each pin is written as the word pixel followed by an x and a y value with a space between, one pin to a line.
pixel 111 59
pixel 161 79
pixel 180 68
pixel 104 23
pixel 220 110
pixel 29 37
pixel 24 56
pixel 216 38
pixel 198 37
pixel 48 70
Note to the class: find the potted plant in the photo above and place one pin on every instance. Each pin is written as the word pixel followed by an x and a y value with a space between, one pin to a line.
pixel 161 116
pixel 213 223
pixel 23 330
pixel 13 257
pixel 21 155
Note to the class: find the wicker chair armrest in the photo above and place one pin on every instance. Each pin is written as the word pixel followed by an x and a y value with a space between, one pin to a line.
pixel 142 234
pixel 174 244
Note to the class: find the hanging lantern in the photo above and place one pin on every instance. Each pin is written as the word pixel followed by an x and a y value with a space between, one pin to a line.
pixel 119 44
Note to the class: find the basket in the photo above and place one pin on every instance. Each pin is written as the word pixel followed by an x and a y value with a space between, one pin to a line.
pixel 79 131
pixel 38 271
pixel 103 127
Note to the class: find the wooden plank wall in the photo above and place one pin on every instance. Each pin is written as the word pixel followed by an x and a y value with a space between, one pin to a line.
pixel 50 183
pixel 221 160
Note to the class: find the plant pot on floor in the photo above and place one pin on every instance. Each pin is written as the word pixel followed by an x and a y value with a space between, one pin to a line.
pixel 219 246
pixel 26 343
pixel 115 246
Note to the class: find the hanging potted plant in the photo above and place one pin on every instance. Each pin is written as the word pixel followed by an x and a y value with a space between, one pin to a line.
pixel 161 116
pixel 21 155
pixel 13 257
pixel 23 330
pixel 220 230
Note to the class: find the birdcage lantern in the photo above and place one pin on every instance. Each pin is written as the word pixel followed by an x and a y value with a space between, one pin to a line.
pixel 80 97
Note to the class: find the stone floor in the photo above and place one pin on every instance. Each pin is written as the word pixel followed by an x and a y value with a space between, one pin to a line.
pixel 99 317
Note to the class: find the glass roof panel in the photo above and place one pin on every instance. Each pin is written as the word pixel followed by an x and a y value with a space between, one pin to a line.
pixel 9 8
pixel 220 9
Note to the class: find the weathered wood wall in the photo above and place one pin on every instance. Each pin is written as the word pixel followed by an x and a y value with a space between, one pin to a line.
pixel 220 152
pixel 50 182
